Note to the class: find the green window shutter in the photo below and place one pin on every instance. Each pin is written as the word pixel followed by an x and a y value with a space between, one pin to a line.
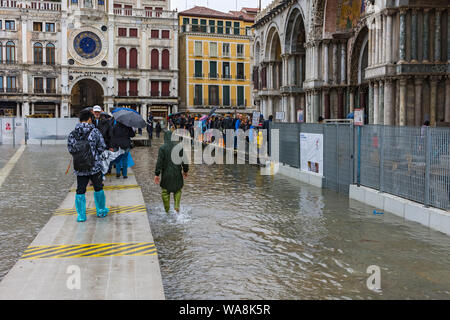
pixel 212 28
pixel 226 95
pixel 236 28
pixel 240 95
pixel 228 27
pixel 203 25
pixel 220 27
pixel 198 68
pixel 213 69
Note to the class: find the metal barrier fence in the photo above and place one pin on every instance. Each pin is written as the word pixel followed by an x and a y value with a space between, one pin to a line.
pixel 409 162
pixel 35 130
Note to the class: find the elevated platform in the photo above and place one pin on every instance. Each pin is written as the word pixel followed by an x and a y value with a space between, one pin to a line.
pixel 102 258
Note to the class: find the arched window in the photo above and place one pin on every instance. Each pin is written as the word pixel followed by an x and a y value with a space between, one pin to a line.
pixel 38 53
pixel 122 58
pixel 50 53
pixel 165 59
pixel 133 58
pixel 10 52
pixel 155 59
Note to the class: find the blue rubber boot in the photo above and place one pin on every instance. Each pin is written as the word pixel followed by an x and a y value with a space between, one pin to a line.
pixel 100 204
pixel 80 206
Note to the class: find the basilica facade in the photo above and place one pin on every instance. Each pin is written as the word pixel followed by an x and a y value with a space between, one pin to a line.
pixel 329 57
pixel 57 58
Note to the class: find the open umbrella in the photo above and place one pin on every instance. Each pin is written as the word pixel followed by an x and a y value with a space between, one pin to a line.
pixel 212 111
pixel 129 118
pixel 87 109
pixel 175 114
pixel 122 108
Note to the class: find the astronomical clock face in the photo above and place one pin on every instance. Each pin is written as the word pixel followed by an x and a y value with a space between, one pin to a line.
pixel 87 44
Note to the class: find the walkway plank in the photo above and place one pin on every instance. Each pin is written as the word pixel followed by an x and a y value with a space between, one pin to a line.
pixel 102 249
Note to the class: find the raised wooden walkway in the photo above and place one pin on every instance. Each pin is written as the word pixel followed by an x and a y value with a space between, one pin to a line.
pixel 102 258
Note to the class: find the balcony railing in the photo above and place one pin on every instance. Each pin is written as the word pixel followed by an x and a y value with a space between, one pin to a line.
pixel 198 75
pixel 240 77
pixel 145 13
pixel 49 90
pixel 226 76
pixel 2 90
pixel 33 5
pixel 11 90
pixel 229 31
pixel 213 76
pixel 8 61
pixel 39 90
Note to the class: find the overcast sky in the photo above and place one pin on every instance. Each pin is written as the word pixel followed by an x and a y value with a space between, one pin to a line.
pixel 221 5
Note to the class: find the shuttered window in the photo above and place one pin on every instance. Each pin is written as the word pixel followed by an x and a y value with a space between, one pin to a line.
pixel 165 59
pixel 122 88
pixel 165 88
pixel 155 59
pixel 122 58
pixel 133 58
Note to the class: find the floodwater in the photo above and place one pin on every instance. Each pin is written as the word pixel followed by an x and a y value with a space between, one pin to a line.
pixel 241 235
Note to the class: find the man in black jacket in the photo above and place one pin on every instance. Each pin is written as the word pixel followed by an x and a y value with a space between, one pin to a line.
pixel 121 138
pixel 103 125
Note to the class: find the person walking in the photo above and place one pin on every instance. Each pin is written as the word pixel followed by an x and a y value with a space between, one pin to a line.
pixel 158 129
pixel 173 175
pixel 86 144
pixel 121 138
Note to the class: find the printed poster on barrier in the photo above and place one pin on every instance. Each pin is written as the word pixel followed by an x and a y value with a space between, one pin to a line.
pixel 358 117
pixel 255 119
pixel 311 152
pixel 279 115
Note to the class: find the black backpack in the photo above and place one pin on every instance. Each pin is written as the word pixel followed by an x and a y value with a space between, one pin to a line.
pixel 83 159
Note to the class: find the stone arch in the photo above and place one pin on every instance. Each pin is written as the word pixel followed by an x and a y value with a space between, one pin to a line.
pixel 86 92
pixel 273 44
pixel 358 60
pixel 295 34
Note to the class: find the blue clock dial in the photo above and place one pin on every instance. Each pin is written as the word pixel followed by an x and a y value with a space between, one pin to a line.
pixel 87 44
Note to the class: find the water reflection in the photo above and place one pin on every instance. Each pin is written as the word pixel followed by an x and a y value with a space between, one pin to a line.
pixel 247 236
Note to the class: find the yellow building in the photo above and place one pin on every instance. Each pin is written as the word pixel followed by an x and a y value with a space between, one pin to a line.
pixel 215 59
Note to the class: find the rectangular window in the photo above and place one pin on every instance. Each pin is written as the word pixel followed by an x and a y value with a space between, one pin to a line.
pixel 1 83
pixel 128 9
pixel 165 34
pixel 10 25
pixel 240 71
pixel 198 95
pixel 226 49
pixel 122 88
pixel 1 26
pixel 220 27
pixel 158 11
pixel 198 48
pixel 202 25
pixel 213 49
pixel 165 88
pixel 236 28
pixel 122 32
pixel 155 34
pixel 73 1
pixel 226 70
pixel 51 87
pixel 240 50
pixel 227 27
pixel 212 28
pixel 226 95
pixel 185 23
pixel 212 69
pixel 133 32
pixel 101 2
pixel 49 27
pixel 198 69
pixel 240 96
pixel 10 84
pixel 213 95
pixel 39 85
pixel 195 25
pixel 154 89
pixel 133 91
pixel 37 26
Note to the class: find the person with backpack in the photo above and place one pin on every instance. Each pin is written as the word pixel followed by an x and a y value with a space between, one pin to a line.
pixel 86 144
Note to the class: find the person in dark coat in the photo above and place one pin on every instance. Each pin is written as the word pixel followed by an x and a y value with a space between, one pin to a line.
pixel 173 175
pixel 121 138
pixel 158 129
pixel 103 125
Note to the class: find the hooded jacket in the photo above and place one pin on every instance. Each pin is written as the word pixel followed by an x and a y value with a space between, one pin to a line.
pixel 121 136
pixel 96 142
pixel 172 178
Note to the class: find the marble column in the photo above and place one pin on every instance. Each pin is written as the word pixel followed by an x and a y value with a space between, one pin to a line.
pixel 352 98
pixel 326 104
pixel 388 112
pixel 418 82
pixel 335 63
pixel 340 111
pixel 300 69
pixel 285 108
pixel 402 44
pixel 316 60
pixel 32 107
pixel 381 102
pixel 414 36
pixel 377 41
pixel 343 62
pixel 402 107
pixel 292 109
pixel 381 39
pixel 426 35
pixel 316 107
pixel 269 106
pixel 56 110
pixel 433 99
pixel 326 71
pixel 17 109
pixel 447 97
pixel 374 117
pixel 369 45
pixel 25 109
pixel 389 31
pixel 437 36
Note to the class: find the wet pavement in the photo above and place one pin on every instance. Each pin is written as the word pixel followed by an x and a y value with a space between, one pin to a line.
pixel 241 235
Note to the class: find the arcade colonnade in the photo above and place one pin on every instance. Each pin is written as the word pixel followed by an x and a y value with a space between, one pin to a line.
pixel 394 62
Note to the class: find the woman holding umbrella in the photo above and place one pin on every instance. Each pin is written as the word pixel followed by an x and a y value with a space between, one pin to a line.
pixel 124 120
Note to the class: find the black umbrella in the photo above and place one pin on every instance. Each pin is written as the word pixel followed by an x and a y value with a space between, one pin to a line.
pixel 87 109
pixel 130 119
pixel 212 111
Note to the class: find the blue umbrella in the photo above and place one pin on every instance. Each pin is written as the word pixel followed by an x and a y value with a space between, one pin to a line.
pixel 121 108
